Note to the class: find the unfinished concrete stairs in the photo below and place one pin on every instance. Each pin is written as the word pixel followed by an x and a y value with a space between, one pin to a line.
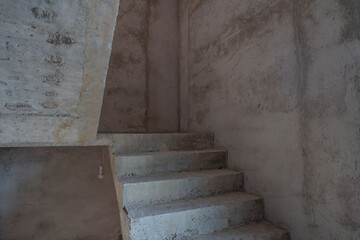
pixel 176 186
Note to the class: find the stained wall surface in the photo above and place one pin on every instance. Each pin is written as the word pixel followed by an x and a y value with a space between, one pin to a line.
pixel 55 193
pixel 278 84
pixel 142 93
pixel 53 62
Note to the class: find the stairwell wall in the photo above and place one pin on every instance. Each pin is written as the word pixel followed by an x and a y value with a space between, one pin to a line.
pixel 278 84
pixel 142 92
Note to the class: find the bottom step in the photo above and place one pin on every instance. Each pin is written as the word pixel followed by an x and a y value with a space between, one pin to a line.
pixel 184 218
pixel 252 231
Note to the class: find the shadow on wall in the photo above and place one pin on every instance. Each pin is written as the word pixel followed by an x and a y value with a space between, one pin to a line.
pixel 141 92
pixel 55 193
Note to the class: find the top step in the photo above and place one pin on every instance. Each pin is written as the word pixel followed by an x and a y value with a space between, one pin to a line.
pixel 123 143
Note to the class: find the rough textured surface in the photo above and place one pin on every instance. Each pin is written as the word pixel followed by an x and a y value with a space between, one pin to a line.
pixel 55 193
pixel 200 216
pixel 252 231
pixel 141 164
pixel 278 84
pixel 184 65
pixel 140 191
pixel 151 142
pixel 141 93
pixel 174 205
pixel 53 62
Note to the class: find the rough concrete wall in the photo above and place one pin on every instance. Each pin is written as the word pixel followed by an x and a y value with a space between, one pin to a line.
pixel 141 93
pixel 54 57
pixel 278 83
pixel 184 42
pixel 54 193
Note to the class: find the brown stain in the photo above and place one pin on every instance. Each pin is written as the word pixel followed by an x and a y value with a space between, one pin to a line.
pixel 86 82
pixel 62 129
pixel 96 62
pixel 54 79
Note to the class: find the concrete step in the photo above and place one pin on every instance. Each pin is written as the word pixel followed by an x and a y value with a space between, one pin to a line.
pixel 155 142
pixel 145 190
pixel 175 220
pixel 141 164
pixel 252 231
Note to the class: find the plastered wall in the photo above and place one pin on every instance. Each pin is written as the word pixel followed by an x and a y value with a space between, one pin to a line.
pixel 142 92
pixel 278 84
pixel 53 63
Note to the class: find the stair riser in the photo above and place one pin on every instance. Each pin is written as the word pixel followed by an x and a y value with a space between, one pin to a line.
pixel 284 236
pixel 145 193
pixel 252 231
pixel 196 221
pixel 170 162
pixel 131 143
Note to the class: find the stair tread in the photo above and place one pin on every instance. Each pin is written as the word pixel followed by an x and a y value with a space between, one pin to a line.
pixel 179 175
pixel 154 134
pixel 262 230
pixel 171 152
pixel 184 205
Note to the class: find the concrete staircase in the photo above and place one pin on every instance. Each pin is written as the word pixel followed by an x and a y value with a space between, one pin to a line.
pixel 176 186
